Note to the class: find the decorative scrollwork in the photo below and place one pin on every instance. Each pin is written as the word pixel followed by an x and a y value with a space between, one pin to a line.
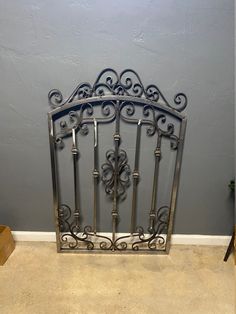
pixel 64 214
pixel 108 110
pixel 152 92
pixel 147 111
pixel 80 119
pixel 174 142
pixel 84 91
pixel 55 98
pixel 127 83
pixel 70 236
pixel 123 175
pixel 127 110
pixel 123 99
pixel 66 128
pixel 181 101
pixel 160 122
pixel 156 240
pixel 156 123
pixel 76 120
pixel 120 244
pixel 105 244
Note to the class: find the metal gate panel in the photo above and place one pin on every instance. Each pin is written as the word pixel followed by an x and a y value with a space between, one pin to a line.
pixel 115 100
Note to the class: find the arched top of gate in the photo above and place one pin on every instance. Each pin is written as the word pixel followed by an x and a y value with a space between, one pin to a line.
pixel 109 85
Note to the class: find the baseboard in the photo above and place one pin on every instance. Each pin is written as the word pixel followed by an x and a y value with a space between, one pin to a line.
pixel 187 239
pixel 200 239
pixel 34 236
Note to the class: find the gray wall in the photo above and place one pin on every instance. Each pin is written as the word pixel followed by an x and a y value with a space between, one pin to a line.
pixel 179 45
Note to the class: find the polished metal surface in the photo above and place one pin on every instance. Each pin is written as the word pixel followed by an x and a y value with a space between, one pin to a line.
pixel 117 97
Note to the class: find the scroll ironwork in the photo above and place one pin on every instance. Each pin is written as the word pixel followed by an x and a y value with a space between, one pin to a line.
pixel 118 98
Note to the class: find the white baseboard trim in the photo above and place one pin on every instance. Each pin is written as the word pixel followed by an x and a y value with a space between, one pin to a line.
pixel 185 239
pixel 34 236
pixel 200 239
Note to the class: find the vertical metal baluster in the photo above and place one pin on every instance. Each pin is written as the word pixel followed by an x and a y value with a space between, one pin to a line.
pixel 116 173
pixel 152 214
pixel 95 176
pixel 175 185
pixel 135 177
pixel 75 153
pixel 54 178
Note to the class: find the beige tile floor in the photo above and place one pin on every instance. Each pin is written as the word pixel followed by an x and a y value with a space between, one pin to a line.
pixel 192 279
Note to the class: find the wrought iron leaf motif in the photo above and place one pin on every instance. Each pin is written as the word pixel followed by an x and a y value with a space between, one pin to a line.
pixel 127 83
pixel 109 176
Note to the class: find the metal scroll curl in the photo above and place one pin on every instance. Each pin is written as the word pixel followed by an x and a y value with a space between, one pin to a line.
pixel 110 82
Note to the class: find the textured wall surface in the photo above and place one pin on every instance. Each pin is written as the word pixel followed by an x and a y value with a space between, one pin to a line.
pixel 179 45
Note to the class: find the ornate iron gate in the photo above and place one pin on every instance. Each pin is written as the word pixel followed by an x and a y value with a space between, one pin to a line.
pixel 115 99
